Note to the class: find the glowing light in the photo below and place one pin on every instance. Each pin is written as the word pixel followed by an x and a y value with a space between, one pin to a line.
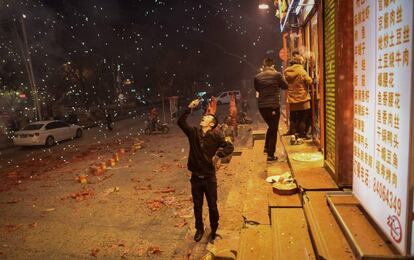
pixel 263 6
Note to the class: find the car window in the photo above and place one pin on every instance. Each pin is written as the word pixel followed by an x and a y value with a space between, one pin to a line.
pixel 33 127
pixel 224 94
pixel 62 124
pixel 52 125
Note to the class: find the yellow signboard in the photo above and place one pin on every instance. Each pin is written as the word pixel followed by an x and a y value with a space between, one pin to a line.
pixel 330 71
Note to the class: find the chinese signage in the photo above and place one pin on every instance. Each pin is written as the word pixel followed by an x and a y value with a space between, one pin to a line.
pixel 281 13
pixel 382 112
pixel 330 70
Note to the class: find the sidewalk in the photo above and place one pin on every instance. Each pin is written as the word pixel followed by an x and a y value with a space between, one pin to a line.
pixel 257 223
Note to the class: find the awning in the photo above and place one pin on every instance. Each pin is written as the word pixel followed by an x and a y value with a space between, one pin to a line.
pixel 294 9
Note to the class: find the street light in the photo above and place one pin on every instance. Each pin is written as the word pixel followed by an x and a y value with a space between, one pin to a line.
pixel 263 6
pixel 29 68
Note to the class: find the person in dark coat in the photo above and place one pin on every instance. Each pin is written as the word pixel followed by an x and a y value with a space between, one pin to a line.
pixel 205 145
pixel 268 84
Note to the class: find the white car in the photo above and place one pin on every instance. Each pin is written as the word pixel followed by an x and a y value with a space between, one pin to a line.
pixel 46 133
pixel 224 97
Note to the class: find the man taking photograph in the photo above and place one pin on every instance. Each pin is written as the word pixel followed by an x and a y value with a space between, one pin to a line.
pixel 205 143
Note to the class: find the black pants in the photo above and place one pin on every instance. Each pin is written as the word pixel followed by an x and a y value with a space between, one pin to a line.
pixel 308 120
pixel 271 117
pixel 298 121
pixel 199 188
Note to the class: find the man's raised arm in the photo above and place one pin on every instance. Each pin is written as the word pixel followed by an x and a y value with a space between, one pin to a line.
pixel 182 122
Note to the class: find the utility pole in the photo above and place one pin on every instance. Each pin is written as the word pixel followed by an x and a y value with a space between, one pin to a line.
pixel 163 96
pixel 163 104
pixel 29 68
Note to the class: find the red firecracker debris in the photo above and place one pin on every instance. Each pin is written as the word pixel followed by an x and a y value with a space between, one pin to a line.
pixel 95 252
pixel 13 201
pixel 141 252
pixel 124 253
pixel 180 165
pixel 82 194
pixel 135 180
pixel 148 187
pixel 154 250
pixel 166 190
pixel 154 205
pixel 33 225
pixel 12 227
pixel 182 224
pixel 187 256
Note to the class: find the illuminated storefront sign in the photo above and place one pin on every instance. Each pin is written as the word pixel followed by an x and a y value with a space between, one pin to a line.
pixel 281 13
pixel 330 72
pixel 382 112
pixel 306 6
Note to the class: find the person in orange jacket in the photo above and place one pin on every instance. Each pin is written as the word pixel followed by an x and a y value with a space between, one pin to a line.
pixel 298 95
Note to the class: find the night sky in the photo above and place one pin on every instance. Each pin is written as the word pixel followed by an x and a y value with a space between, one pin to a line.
pixel 178 46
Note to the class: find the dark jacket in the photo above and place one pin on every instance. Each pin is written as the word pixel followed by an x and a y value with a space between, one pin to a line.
pixel 268 83
pixel 203 148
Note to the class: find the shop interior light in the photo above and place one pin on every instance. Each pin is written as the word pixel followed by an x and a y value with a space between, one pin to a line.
pixel 263 6
pixel 302 3
pixel 299 7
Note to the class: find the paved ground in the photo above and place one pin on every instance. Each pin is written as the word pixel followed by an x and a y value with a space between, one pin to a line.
pixel 140 208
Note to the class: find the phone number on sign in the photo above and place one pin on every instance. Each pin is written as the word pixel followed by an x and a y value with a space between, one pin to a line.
pixel 387 196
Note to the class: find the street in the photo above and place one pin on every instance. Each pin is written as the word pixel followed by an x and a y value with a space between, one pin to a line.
pixel 140 207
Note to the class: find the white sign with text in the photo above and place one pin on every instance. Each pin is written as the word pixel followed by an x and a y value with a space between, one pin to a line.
pixel 382 112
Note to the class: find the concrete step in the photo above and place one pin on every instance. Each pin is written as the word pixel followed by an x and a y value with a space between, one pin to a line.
pixel 258 147
pixel 308 175
pixel 256 198
pixel 255 243
pixel 258 134
pixel 361 229
pixel 256 201
pixel 283 201
pixel 324 228
pixel 290 234
pixel 226 245
pixel 231 217
pixel 311 178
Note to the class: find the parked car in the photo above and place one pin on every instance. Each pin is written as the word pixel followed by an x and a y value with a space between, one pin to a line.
pixel 224 97
pixel 46 133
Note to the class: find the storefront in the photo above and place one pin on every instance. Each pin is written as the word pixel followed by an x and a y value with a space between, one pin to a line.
pixel 339 92
pixel 309 20
pixel 315 28
pixel 383 133
pixel 360 55
pixel 302 32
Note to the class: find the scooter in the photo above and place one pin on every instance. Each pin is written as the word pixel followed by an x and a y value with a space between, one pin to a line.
pixel 157 126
